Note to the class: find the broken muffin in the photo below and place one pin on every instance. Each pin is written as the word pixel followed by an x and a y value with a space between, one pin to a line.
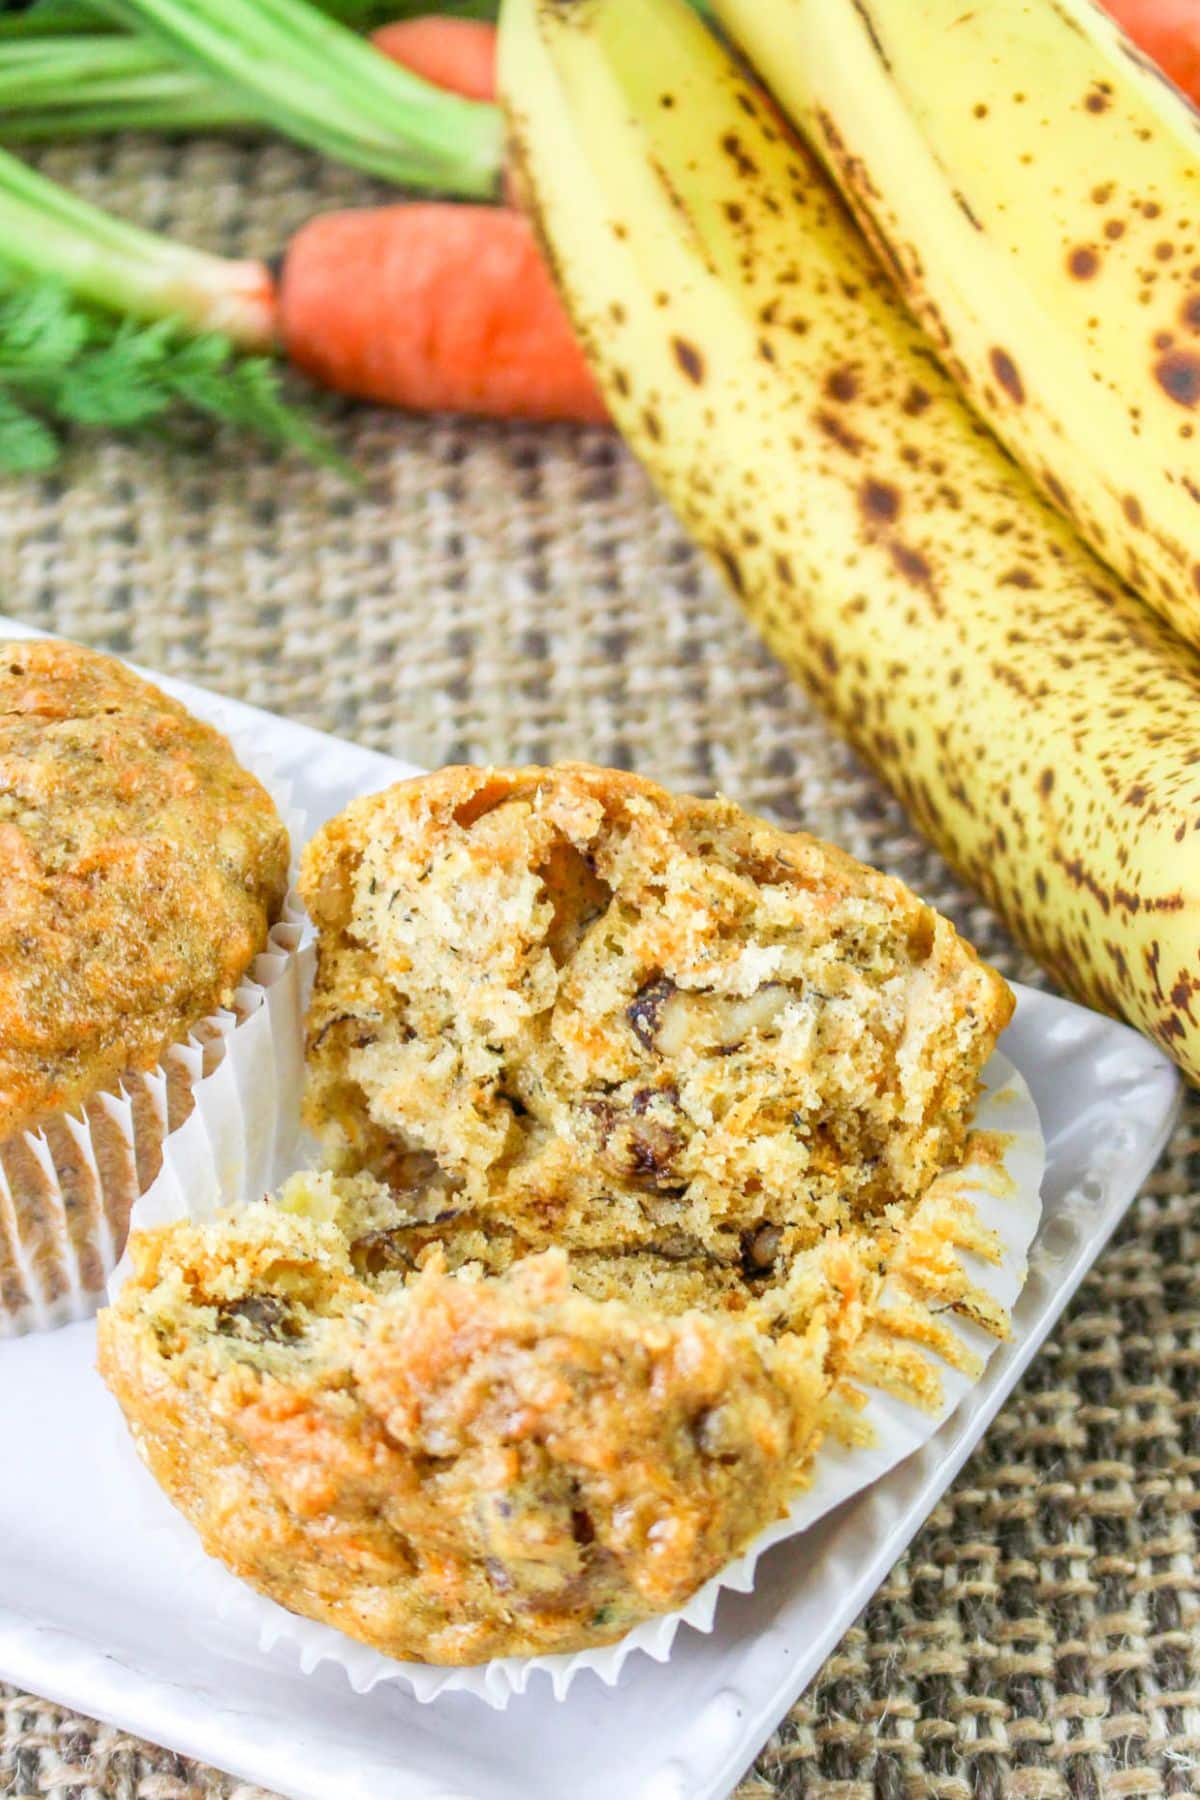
pixel 633 1106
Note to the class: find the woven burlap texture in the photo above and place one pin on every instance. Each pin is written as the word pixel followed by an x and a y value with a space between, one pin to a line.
pixel 515 592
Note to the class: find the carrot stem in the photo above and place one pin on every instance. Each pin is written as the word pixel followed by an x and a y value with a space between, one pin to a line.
pixel 53 68
pixel 46 230
pixel 54 18
pixel 52 21
pixel 73 86
pixel 78 83
pixel 310 78
pixel 173 117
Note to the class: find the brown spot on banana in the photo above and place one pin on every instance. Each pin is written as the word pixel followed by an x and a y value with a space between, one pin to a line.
pixel 1083 263
pixel 913 565
pixel 1057 491
pixel 689 359
pixel 733 147
pixel 840 434
pixel 968 211
pixel 1178 375
pixel 1007 374
pixel 1153 964
pixel 731 566
pixel 879 502
pixel 842 384
pixel 1181 997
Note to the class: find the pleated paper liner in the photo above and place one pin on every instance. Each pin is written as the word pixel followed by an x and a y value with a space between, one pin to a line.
pixel 67 1190
pixel 954 1278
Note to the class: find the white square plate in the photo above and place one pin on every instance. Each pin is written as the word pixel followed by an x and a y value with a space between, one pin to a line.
pixel 93 1613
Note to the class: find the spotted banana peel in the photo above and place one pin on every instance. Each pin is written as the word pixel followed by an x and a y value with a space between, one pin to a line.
pixel 1033 183
pixel 1042 727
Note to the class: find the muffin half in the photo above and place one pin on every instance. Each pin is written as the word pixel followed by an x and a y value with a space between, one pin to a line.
pixel 447 1463
pixel 611 1016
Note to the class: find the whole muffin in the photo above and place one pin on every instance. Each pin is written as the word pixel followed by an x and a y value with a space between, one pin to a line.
pixel 638 1107
pixel 140 870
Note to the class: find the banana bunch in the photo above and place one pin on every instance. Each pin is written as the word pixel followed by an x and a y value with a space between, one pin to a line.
pixel 1033 184
pixel 1039 723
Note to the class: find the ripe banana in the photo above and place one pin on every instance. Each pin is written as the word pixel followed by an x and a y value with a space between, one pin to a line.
pixel 1033 184
pixel 1040 724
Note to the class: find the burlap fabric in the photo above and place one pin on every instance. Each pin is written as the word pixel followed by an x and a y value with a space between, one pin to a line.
pixel 501 593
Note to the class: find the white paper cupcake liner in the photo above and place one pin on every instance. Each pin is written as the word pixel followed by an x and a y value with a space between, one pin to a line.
pixel 67 1189
pixel 1006 1199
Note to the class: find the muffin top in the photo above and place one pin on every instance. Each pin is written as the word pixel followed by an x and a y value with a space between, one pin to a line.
pixel 447 1465
pixel 140 870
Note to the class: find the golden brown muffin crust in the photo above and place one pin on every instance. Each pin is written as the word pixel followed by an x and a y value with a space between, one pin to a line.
pixel 140 869
pixel 451 1449
pixel 450 1466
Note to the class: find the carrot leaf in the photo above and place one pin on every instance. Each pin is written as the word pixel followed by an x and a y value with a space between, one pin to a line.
pixel 63 363
pixel 27 444
pixel 38 323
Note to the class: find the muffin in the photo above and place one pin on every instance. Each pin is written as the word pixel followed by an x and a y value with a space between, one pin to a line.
pixel 638 1111
pixel 140 870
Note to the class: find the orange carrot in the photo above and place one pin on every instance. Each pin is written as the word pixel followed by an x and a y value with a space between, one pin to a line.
pixel 1167 30
pixel 438 307
pixel 456 54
